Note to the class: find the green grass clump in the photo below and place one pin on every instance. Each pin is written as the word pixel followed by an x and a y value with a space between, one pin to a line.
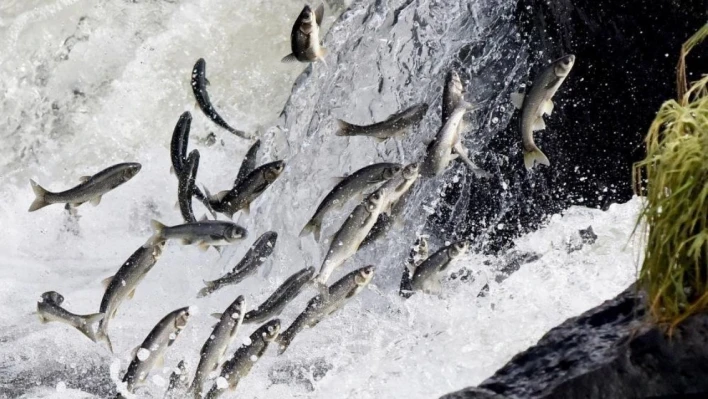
pixel 675 267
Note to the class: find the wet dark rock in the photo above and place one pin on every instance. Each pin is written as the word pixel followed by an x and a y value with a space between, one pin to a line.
pixel 607 352
pixel 584 237
pixel 303 372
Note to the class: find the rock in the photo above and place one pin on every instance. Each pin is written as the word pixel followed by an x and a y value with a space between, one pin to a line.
pixel 607 352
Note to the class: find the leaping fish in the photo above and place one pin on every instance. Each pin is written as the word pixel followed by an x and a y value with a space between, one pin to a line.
pixel 305 36
pixel 394 126
pixel 91 187
pixel 199 83
pixel 49 309
pixel 537 103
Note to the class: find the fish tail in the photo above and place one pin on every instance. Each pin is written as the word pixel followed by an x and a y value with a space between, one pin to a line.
pixel 158 233
pixel 313 227
pixel 533 156
pixel 40 197
pixel 102 336
pixel 206 290
pixel 87 327
pixel 345 128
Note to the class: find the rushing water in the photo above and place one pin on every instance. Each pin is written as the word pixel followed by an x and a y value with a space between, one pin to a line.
pixel 89 83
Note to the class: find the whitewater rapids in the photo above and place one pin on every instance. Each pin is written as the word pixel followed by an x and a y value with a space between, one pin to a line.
pixel 89 83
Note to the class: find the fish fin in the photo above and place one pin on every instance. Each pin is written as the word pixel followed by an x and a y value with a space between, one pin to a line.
pixel 322 54
pixel 131 294
pixel 218 249
pixel 517 99
pixel 547 107
pixel 311 227
pixel 41 318
pixel 319 14
pixel 88 321
pixel 246 209
pixel 208 83
pixel 534 156
pixel 216 315
pixel 538 124
pixel 95 201
pixel 160 361
pixel 283 340
pixel 379 139
pixel 176 205
pixel 107 281
pixel 102 336
pixel 172 170
pixel 40 194
pixel 220 195
pixel 203 218
pixel 290 58
pixel 206 290
pixel 83 179
pixel 186 241
pixel 203 246
pixel 158 229
pixel 345 128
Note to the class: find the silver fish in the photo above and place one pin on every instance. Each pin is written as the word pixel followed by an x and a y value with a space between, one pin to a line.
pixel 180 140
pixel 214 349
pixel 425 274
pixel 150 353
pixel 248 164
pixel 453 94
pixel 394 126
pixel 199 83
pixel 322 306
pixel 261 249
pixel 305 36
pixel 350 236
pixel 395 190
pixel 537 103
pixel 419 252
pixel 275 303
pixel 351 186
pixel 241 362
pixel 185 189
pixel 122 285
pixel 91 187
pixel 203 233
pixel 49 309
pixel 440 152
pixel 242 195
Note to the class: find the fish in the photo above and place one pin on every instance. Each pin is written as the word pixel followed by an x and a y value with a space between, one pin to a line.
pixel 394 126
pixel 352 186
pixel 150 353
pixel 261 249
pixel 419 252
pixel 453 94
pixel 395 190
pixel 178 380
pixel 214 349
pixel 179 143
pixel 537 103
pixel 242 361
pixel 347 240
pixel 49 309
pixel 90 190
pixel 453 97
pixel 248 164
pixel 199 83
pixel 280 298
pixel 178 152
pixel 246 191
pixel 202 233
pixel 305 37
pixel 123 284
pixel 439 152
pixel 322 305
pixel 424 275
pixel 185 190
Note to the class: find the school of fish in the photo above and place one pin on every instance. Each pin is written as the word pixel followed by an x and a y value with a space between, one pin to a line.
pixel 380 191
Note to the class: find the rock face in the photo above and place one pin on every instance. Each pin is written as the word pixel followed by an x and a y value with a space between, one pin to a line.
pixel 607 352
